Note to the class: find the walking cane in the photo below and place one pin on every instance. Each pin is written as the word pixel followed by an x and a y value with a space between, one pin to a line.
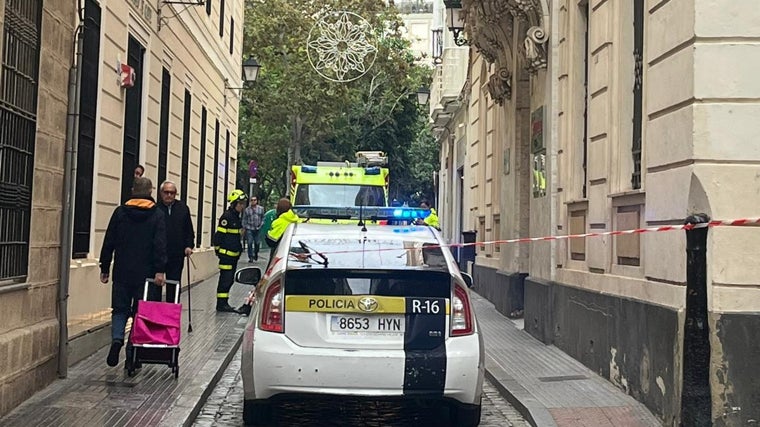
pixel 189 304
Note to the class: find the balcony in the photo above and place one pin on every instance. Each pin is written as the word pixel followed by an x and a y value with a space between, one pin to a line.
pixel 448 81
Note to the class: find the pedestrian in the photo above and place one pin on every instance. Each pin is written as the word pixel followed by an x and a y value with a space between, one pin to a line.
pixel 136 242
pixel 432 218
pixel 180 238
pixel 139 171
pixel 227 241
pixel 253 218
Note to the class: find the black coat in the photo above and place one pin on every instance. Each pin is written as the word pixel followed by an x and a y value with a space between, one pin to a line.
pixel 137 234
pixel 179 229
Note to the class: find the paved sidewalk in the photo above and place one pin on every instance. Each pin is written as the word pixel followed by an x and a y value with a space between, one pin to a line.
pixel 97 395
pixel 546 385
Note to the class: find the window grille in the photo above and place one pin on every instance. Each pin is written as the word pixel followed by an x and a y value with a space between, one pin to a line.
pixel 18 124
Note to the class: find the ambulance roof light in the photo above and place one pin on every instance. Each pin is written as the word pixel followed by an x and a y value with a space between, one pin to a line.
pixel 308 169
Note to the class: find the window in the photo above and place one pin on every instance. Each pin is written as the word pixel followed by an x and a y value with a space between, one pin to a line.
pixel 201 179
pixel 183 189
pixel 628 246
pixel 586 95
pixel 88 100
pixel 221 18
pixel 208 7
pixel 232 35
pixel 482 232
pixel 577 226
pixel 163 133
pixel 215 185
pixel 227 165
pixel 18 124
pixel 497 232
pixel 638 58
pixel 132 119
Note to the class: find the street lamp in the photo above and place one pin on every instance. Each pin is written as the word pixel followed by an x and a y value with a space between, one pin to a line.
pixel 423 94
pixel 250 74
pixel 455 19
pixel 251 69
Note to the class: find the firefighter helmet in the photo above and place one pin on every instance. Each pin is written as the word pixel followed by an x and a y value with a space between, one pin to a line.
pixel 236 196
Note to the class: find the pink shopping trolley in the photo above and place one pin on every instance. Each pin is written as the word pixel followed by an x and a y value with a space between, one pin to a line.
pixel 155 333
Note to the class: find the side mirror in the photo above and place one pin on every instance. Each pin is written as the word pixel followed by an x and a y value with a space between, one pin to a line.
pixel 467 279
pixel 248 275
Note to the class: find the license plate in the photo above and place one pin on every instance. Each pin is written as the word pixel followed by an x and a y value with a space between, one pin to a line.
pixel 367 324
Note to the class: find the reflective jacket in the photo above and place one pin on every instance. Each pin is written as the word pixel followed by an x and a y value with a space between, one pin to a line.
pixel 280 224
pixel 432 219
pixel 227 241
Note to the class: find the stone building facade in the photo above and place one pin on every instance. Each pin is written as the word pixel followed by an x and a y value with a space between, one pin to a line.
pixel 36 54
pixel 601 115
pixel 179 120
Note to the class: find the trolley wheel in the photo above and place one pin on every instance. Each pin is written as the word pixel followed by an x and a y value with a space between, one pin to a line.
pixel 175 370
pixel 130 372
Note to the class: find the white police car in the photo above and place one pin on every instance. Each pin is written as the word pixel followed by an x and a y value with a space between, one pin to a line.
pixel 362 312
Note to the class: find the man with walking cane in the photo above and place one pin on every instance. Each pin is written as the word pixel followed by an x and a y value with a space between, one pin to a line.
pixel 180 239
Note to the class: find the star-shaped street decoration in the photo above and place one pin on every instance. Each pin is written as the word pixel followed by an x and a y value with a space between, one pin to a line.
pixel 339 48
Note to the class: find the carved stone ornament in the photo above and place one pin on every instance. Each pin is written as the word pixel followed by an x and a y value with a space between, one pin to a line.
pixel 491 27
pixel 535 48
pixel 500 86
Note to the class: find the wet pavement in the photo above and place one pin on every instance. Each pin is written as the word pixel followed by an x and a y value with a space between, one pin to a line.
pixel 224 408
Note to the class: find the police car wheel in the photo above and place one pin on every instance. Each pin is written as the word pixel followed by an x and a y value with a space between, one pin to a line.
pixel 465 415
pixel 256 413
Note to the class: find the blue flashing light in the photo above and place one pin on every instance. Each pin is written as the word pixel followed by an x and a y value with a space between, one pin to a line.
pixel 372 171
pixel 397 213
pixel 308 169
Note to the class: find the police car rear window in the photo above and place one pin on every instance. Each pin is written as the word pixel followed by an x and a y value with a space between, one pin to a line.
pixel 430 284
pixel 370 253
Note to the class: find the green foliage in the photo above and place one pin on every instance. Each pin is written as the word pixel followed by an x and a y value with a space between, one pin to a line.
pixel 293 114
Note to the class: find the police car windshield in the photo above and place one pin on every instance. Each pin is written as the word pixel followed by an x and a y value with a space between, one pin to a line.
pixel 338 195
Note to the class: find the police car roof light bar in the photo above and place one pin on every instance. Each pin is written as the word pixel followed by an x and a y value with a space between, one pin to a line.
pixel 362 213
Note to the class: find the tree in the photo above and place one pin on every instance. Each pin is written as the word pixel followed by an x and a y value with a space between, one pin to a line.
pixel 292 115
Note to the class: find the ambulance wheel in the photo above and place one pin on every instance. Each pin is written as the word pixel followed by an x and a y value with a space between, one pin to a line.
pixel 257 413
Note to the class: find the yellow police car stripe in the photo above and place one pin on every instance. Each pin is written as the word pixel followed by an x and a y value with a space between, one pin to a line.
pixel 228 230
pixel 348 304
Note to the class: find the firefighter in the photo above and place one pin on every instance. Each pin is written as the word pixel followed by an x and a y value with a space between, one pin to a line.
pixel 227 242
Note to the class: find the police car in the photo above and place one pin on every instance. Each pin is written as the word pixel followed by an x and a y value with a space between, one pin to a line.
pixel 376 310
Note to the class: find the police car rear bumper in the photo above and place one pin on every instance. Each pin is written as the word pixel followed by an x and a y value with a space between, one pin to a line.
pixel 279 366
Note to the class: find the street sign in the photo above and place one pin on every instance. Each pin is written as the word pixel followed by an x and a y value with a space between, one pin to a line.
pixel 252 180
pixel 253 169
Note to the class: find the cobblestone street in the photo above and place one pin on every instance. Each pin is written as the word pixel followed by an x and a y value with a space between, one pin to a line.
pixel 224 407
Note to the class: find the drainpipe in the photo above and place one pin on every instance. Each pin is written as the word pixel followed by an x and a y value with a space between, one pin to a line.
pixel 69 173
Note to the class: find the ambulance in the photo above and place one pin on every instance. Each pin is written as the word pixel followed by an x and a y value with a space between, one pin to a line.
pixel 335 184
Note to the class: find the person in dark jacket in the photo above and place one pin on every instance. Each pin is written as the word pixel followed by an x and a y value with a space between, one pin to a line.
pixel 228 245
pixel 137 235
pixel 180 238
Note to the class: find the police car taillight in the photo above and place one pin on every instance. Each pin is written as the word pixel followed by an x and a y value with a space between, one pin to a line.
pixel 461 315
pixel 271 314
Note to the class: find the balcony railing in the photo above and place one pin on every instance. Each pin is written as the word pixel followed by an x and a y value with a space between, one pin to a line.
pixel 410 7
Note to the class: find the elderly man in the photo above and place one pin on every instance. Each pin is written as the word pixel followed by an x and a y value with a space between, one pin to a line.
pixel 180 237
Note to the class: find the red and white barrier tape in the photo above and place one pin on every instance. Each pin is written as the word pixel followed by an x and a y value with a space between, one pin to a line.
pixel 714 223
